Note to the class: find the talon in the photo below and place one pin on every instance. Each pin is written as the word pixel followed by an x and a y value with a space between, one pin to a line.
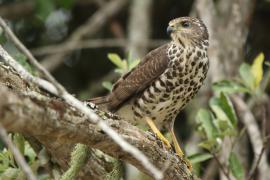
pixel 188 163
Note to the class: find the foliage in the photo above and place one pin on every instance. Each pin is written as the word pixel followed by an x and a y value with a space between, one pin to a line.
pixel 8 166
pixel 220 120
pixel 249 82
pixel 236 166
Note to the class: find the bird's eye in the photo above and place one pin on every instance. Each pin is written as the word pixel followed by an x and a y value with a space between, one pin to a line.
pixel 185 24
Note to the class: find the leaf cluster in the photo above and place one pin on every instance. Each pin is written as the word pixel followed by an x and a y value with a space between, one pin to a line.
pixel 220 119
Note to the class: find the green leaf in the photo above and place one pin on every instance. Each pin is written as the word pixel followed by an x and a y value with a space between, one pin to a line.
pixel 247 76
pixel 10 174
pixel 107 85
pixel 223 109
pixel 215 105
pixel 4 159
pixel 19 142
pixel 204 118
pixel 44 8
pixel 228 108
pixel 133 63
pixel 30 153
pixel 116 60
pixel 3 38
pixel 257 69
pixel 210 145
pixel 199 157
pixel 120 71
pixel 236 167
pixel 229 87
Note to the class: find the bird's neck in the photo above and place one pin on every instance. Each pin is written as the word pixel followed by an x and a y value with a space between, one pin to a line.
pixel 184 44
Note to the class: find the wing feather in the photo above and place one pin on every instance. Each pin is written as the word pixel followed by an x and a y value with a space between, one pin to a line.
pixel 139 78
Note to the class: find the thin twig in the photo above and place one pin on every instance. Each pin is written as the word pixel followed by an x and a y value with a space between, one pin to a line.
pixel 17 155
pixel 221 167
pixel 253 131
pixel 265 141
pixel 256 164
pixel 90 43
pixel 82 108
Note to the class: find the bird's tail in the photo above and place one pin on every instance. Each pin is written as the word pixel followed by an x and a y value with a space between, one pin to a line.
pixel 99 100
pixel 99 105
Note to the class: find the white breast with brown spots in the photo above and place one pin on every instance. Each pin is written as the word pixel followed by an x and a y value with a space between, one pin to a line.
pixel 164 99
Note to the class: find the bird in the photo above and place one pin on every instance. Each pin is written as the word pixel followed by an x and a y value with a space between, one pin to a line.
pixel 166 79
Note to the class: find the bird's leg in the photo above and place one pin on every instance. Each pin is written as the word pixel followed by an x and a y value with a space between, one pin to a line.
pixel 154 128
pixel 177 147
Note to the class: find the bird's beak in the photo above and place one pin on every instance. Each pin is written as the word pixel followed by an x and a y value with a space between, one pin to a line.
pixel 170 30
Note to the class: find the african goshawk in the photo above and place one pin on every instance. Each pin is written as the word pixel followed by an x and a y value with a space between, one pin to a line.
pixel 166 78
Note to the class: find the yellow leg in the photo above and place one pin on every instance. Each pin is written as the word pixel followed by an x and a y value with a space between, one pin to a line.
pixel 178 149
pixel 157 132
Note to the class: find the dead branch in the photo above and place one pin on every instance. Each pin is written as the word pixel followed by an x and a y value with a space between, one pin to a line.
pixel 90 43
pixel 58 90
pixel 51 119
pixel 81 108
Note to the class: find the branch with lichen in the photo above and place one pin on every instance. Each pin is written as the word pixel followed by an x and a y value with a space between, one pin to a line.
pixel 29 110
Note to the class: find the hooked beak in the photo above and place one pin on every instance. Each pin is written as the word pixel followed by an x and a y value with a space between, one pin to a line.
pixel 170 30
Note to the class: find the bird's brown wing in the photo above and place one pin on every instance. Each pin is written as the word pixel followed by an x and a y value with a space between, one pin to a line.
pixel 139 78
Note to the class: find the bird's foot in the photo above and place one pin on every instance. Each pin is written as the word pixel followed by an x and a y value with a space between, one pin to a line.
pixel 158 133
pixel 163 140
pixel 179 151
pixel 188 163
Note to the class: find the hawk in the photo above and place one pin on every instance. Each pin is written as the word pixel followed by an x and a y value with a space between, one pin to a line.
pixel 164 81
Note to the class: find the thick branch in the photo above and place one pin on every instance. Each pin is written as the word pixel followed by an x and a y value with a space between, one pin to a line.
pixel 49 118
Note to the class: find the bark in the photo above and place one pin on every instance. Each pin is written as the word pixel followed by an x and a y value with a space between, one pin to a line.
pixel 26 109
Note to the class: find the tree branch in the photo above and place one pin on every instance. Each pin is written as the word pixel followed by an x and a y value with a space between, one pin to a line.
pixel 256 139
pixel 94 118
pixel 91 43
pixel 51 119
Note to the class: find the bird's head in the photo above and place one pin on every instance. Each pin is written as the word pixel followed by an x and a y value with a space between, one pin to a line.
pixel 187 31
